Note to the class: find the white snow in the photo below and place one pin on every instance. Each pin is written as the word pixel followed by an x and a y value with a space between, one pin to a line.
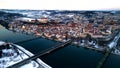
pixel 112 44
pixel 39 60
pixel 32 64
pixel 6 61
pixel 1 42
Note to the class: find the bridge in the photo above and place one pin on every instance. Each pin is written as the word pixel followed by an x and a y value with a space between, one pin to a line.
pixel 47 51
pixel 112 45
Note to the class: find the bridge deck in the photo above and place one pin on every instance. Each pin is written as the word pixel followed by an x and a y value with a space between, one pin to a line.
pixel 108 51
pixel 40 54
pixel 102 61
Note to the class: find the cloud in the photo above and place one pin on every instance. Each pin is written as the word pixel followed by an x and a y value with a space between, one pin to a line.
pixel 60 4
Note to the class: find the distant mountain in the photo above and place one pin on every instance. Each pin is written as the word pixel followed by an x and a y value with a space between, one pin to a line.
pixel 6 14
pixel 44 13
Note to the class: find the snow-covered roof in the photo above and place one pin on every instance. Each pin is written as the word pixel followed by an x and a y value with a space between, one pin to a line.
pixel 1 42
pixel 112 44
pixel 25 19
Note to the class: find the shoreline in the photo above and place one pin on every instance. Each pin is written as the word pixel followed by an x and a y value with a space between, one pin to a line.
pixel 28 53
pixel 86 47
pixel 61 41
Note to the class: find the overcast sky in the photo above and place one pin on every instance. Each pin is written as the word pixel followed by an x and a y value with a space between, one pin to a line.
pixel 61 4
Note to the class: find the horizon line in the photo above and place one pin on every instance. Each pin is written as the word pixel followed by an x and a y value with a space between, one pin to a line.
pixel 65 9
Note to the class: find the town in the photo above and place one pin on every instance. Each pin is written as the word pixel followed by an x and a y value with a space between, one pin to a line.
pixel 90 29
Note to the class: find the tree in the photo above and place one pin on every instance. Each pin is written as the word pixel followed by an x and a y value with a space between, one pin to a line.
pixel 88 37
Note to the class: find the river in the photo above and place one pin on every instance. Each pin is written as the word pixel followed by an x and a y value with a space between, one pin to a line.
pixel 70 56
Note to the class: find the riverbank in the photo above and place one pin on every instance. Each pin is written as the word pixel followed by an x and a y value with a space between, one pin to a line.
pixel 61 41
pixel 77 55
pixel 93 46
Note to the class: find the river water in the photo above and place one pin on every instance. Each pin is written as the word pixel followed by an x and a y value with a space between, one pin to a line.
pixel 70 56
